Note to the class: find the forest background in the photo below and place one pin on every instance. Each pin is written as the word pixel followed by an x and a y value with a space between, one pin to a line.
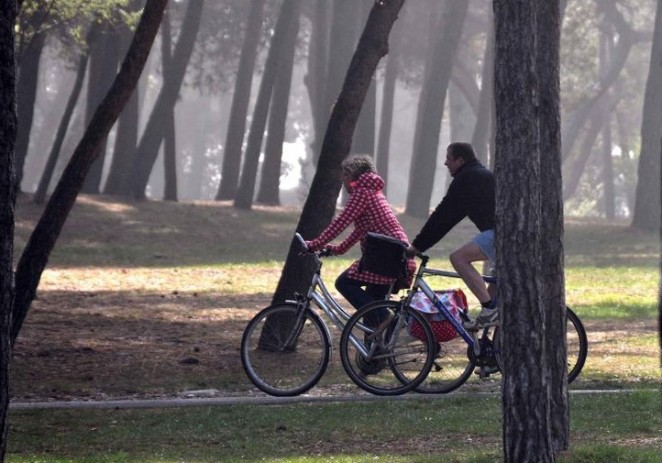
pixel 605 55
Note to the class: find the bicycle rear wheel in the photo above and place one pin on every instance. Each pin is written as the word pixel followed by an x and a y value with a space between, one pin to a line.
pixel 396 362
pixel 576 343
pixel 285 350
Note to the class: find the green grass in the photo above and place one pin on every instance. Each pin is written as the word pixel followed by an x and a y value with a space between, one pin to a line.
pixel 626 427
pixel 117 267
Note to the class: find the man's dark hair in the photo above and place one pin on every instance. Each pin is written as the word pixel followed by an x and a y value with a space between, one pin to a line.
pixel 462 150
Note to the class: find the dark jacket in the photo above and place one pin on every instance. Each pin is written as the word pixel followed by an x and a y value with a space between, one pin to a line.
pixel 471 193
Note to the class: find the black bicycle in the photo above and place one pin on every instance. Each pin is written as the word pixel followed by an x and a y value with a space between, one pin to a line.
pixel 456 358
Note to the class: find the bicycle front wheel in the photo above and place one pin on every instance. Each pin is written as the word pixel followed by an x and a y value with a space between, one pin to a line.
pixel 380 353
pixel 285 350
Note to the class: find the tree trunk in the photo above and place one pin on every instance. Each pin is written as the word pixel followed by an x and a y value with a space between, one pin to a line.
pixel 126 137
pixel 242 91
pixel 580 116
pixel 169 143
pixel 47 175
pixel 8 134
pixel 647 199
pixel 315 80
pixel 342 40
pixel 551 194
pixel 575 168
pixel 280 41
pixel 38 248
pixel 273 153
pixel 431 110
pixel 481 137
pixel 320 204
pixel 26 94
pixel 103 66
pixel 388 99
pixel 364 136
pixel 609 195
pixel 148 149
pixel 527 436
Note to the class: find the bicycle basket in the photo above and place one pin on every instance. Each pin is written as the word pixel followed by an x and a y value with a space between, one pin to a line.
pixel 443 330
pixel 384 255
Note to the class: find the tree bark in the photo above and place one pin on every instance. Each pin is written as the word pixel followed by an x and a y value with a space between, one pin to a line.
pixel 527 436
pixel 431 110
pixel 148 149
pixel 551 194
pixel 320 204
pixel 40 244
pixel 47 175
pixel 8 132
pixel 273 154
pixel 647 199
pixel 279 41
pixel 242 92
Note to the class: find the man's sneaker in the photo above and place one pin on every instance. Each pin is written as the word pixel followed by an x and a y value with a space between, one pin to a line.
pixel 486 317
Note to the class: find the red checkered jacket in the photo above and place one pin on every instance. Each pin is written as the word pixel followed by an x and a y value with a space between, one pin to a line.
pixel 368 209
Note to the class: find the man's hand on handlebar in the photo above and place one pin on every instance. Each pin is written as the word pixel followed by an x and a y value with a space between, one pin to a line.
pixel 412 251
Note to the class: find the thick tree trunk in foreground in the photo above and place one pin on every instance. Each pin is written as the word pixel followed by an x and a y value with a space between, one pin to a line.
pixel 35 255
pixel 8 118
pixel 527 435
pixel 320 204
pixel 551 193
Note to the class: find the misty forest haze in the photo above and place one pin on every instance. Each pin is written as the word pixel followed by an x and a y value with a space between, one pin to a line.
pixel 605 56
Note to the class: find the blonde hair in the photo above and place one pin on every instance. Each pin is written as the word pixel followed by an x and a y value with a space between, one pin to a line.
pixel 356 165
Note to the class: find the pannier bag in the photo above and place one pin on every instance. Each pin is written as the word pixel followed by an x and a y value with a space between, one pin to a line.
pixel 453 299
pixel 384 255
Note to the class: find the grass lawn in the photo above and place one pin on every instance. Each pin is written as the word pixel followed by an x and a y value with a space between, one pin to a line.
pixel 146 300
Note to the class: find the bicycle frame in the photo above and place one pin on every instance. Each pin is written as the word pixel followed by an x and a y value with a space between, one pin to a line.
pixel 470 337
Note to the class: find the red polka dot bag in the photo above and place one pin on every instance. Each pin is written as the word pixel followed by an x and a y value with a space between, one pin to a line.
pixel 443 330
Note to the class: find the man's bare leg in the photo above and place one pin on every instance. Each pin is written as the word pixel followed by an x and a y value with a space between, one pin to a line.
pixel 462 260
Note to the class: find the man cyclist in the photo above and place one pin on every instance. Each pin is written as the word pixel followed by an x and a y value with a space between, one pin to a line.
pixel 470 194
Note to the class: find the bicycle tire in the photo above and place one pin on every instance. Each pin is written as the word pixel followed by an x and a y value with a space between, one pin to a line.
pixel 576 345
pixel 398 361
pixel 282 370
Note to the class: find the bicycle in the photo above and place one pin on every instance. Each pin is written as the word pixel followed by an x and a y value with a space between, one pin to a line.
pixel 286 348
pixel 456 359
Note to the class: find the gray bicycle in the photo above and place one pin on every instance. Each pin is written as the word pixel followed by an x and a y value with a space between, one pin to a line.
pixel 286 348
